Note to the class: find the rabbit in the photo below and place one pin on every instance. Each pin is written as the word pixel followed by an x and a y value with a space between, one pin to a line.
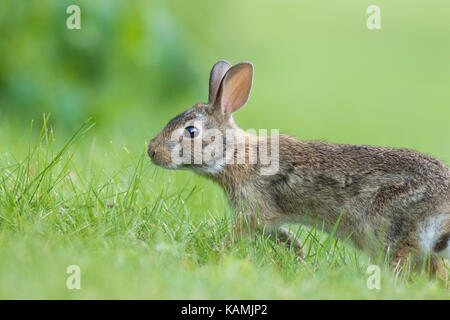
pixel 397 200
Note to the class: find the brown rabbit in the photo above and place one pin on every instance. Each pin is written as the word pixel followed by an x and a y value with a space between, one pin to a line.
pixel 397 200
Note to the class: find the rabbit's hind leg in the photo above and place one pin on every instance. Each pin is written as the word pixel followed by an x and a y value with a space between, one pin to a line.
pixel 424 248
pixel 404 254
pixel 437 269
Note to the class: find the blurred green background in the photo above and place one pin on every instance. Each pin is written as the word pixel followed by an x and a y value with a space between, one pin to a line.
pixel 319 72
pixel 138 231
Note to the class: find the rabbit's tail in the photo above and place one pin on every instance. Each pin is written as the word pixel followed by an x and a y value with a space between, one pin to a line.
pixel 435 235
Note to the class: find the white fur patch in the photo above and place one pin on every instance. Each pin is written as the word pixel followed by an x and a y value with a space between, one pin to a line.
pixel 209 169
pixel 430 232
pixel 213 168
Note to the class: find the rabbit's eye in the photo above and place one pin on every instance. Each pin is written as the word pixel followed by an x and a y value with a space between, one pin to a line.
pixel 191 132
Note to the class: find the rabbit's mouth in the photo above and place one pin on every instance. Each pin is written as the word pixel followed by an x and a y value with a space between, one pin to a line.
pixel 165 165
pixel 202 169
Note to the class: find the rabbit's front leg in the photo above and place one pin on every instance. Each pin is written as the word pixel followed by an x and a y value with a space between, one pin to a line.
pixel 287 237
pixel 245 225
pixel 284 236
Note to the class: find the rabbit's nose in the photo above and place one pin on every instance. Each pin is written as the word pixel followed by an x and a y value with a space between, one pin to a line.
pixel 151 149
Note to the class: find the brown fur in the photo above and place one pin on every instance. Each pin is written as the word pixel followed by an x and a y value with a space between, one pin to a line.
pixel 384 194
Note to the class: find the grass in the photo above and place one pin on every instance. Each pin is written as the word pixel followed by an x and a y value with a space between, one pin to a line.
pixel 137 231
pixel 91 197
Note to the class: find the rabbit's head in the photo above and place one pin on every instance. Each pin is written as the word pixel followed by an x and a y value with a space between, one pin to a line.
pixel 200 138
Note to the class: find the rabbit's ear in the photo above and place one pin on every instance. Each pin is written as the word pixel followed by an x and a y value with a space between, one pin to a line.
pixel 215 78
pixel 235 88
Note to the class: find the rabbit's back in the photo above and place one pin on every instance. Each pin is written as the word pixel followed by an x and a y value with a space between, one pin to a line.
pixel 363 160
